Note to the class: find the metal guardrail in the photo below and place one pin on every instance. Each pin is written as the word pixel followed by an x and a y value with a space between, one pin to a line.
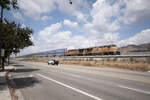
pixel 108 56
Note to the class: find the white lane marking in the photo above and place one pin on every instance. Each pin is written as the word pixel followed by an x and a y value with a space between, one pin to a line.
pixel 3 91
pixel 78 76
pixel 53 70
pixel 72 88
pixel 71 75
pixel 31 75
pixel 137 90
pixel 75 75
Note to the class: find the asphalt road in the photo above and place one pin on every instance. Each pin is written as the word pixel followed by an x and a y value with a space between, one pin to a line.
pixel 39 81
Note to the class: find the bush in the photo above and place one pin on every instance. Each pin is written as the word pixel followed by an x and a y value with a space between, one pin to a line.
pixel 115 59
pixel 131 59
pixel 148 59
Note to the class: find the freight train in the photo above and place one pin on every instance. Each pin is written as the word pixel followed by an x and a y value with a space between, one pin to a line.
pixel 100 50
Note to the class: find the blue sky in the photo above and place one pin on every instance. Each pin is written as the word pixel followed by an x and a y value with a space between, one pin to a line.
pixel 58 24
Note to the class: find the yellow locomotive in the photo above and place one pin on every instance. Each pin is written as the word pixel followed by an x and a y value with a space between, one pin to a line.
pixel 100 50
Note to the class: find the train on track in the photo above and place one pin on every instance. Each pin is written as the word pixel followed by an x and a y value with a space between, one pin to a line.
pixel 99 50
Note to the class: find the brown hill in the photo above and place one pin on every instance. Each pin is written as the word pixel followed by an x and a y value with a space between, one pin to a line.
pixel 135 48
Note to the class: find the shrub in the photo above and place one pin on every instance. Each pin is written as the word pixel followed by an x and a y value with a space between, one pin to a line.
pixel 131 59
pixel 115 59
pixel 148 59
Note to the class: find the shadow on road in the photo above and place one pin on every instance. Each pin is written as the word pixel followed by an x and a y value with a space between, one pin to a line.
pixel 25 82
pixel 18 65
pixel 12 62
pixel 3 85
pixel 22 77
pixel 24 70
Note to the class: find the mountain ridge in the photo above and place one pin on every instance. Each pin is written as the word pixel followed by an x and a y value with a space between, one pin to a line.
pixel 135 48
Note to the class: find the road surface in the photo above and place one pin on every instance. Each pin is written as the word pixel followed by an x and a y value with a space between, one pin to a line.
pixel 39 81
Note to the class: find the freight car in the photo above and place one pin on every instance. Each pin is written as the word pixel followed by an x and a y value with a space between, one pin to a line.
pixel 100 50
pixel 58 52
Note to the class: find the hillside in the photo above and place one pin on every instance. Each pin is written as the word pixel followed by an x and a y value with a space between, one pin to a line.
pixel 135 48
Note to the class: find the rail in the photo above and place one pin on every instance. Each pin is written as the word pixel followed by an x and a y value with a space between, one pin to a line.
pixel 108 56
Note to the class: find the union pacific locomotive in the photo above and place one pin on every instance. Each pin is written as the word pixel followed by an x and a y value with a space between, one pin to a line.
pixel 100 50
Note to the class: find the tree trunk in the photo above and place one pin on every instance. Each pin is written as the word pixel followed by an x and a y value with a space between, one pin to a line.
pixel 2 10
pixel 3 60
pixel 1 39
pixel 8 60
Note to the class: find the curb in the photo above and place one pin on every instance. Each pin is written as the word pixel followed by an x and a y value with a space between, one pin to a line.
pixel 11 89
pixel 15 94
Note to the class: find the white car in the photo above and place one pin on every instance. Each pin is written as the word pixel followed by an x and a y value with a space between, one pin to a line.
pixel 53 62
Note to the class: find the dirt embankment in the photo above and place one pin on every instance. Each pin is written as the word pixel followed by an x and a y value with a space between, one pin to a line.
pixel 131 65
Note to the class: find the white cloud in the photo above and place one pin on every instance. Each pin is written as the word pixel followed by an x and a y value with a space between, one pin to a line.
pixel 44 18
pixel 102 14
pixel 23 26
pixel 135 11
pixel 28 50
pixel 108 15
pixel 139 38
pixel 34 8
pixel 70 23
pixel 53 38
pixel 31 49
pixel 76 9
pixel 48 31
pixel 18 15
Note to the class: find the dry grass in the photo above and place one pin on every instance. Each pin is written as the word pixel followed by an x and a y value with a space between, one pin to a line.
pixel 131 65
pixel 136 66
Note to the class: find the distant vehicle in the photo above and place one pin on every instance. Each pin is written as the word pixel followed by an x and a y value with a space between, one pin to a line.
pixel 53 62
